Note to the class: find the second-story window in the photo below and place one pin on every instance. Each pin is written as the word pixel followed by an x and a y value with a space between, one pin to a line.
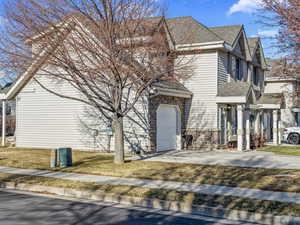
pixel 255 76
pixel 229 65
pixel 238 69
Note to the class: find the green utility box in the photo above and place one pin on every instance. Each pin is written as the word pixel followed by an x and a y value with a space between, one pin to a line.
pixel 65 157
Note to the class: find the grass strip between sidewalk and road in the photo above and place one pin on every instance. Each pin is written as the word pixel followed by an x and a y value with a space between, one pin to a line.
pixel 226 202
pixel 102 164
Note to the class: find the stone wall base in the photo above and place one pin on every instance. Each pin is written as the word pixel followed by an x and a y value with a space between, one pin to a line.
pixel 200 140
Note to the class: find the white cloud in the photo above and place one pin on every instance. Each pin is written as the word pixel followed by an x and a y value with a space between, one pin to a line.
pixel 247 6
pixel 267 33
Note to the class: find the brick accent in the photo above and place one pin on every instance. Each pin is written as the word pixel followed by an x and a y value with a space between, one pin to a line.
pixel 153 106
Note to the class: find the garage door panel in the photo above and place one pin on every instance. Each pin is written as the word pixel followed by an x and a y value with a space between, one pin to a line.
pixel 166 128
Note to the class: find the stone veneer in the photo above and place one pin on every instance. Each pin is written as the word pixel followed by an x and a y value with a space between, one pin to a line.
pixel 153 106
pixel 201 139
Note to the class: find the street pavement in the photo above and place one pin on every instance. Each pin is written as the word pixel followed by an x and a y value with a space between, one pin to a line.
pixel 23 208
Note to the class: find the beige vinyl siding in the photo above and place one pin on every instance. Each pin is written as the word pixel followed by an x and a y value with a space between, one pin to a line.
pixel 45 120
pixel 201 110
pixel 279 87
pixel 287 88
pixel 137 127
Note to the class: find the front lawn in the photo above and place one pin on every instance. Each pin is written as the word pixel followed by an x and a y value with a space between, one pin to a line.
pixel 102 164
pixel 283 150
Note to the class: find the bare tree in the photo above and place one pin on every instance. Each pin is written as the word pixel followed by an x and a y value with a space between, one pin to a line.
pixel 110 51
pixel 284 15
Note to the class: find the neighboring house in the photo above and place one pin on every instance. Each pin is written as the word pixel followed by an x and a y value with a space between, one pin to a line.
pixel 215 106
pixel 281 89
pixel 10 112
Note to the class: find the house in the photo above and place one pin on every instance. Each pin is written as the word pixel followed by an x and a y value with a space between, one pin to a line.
pixel 281 90
pixel 222 101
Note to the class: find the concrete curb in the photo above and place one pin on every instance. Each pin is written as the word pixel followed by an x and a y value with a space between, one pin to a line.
pixel 175 206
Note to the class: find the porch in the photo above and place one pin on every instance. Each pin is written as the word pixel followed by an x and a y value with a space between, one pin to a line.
pixel 246 120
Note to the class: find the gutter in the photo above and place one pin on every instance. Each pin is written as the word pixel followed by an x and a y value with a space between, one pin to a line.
pixel 205 45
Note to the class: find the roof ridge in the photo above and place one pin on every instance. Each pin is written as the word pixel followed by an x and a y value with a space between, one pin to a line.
pixel 234 25
pixel 179 17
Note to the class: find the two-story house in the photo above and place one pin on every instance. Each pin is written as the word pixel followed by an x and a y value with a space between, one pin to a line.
pixel 283 89
pixel 216 105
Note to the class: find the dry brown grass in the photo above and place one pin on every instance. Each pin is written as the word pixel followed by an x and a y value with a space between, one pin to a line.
pixel 283 150
pixel 102 164
pixel 228 202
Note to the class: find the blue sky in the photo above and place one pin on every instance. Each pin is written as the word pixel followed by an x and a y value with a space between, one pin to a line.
pixel 220 13
pixel 225 12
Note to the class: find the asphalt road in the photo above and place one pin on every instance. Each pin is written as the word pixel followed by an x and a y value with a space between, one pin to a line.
pixel 23 209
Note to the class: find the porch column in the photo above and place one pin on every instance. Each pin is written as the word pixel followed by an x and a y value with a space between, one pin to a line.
pixel 279 131
pixel 248 139
pixel 225 127
pixel 257 124
pixel 275 127
pixel 262 125
pixel 3 122
pixel 240 128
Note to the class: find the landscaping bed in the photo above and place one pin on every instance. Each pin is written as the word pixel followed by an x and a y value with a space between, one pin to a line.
pixel 102 164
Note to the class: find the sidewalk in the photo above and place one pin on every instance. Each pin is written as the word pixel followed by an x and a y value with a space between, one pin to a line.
pixel 284 197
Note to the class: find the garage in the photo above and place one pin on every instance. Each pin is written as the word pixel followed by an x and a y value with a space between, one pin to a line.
pixel 166 127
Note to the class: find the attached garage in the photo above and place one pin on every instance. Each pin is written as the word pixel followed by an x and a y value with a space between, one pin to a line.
pixel 168 126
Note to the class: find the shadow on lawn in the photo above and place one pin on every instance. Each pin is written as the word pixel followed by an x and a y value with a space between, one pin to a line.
pixel 217 175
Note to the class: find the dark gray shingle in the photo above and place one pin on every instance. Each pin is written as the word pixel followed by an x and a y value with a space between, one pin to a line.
pixel 186 30
pixel 269 98
pixel 228 33
pixel 234 89
pixel 173 85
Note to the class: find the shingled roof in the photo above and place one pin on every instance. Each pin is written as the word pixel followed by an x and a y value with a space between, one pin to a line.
pixel 187 30
pixel 234 89
pixel 171 85
pixel 271 98
pixel 228 33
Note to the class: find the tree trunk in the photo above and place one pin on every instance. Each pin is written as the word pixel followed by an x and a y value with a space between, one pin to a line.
pixel 119 140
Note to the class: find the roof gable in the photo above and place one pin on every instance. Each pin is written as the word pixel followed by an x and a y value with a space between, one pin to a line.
pixel 256 51
pixel 228 33
pixel 186 30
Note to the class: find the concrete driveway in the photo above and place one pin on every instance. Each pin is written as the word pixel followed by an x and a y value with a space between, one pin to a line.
pixel 240 159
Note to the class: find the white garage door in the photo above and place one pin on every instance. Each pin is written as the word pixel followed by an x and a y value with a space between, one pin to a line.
pixel 166 128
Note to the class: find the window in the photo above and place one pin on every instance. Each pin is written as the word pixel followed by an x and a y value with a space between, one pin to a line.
pixel 238 69
pixel 255 76
pixel 229 66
